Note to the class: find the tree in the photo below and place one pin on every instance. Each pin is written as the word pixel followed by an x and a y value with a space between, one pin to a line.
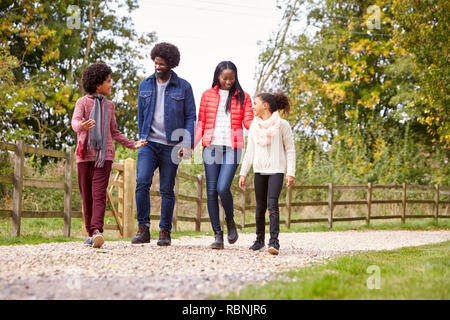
pixel 275 49
pixel 52 42
pixel 423 32
pixel 352 88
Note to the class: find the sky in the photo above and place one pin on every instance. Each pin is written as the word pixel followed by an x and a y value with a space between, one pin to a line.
pixel 207 32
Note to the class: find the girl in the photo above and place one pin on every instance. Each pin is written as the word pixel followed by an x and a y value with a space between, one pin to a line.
pixel 224 110
pixel 94 121
pixel 271 151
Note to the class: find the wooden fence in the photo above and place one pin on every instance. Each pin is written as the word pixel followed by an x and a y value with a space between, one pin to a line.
pixel 121 197
pixel 18 181
pixel 122 206
pixel 368 202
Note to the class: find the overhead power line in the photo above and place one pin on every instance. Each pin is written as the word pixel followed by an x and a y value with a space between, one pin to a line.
pixel 227 4
pixel 168 4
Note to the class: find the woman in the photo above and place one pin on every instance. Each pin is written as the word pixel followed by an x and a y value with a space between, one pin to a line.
pixel 224 109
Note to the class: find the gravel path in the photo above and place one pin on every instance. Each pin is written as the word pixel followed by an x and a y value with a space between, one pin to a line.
pixel 186 270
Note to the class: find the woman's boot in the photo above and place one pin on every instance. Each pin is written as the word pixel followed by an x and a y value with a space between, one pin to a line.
pixel 218 243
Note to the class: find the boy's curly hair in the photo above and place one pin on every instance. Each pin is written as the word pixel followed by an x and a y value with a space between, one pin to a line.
pixel 168 52
pixel 94 75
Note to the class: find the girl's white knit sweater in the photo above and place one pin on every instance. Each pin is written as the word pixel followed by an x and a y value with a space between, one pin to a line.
pixel 276 157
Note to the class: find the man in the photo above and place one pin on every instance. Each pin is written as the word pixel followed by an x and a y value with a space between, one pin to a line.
pixel 166 108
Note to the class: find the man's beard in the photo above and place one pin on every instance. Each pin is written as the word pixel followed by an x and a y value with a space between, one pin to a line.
pixel 163 74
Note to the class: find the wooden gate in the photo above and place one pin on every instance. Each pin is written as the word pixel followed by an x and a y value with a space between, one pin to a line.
pixel 120 196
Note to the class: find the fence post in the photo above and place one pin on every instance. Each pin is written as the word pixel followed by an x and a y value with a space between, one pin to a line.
pixel 199 201
pixel 369 202
pixel 68 192
pixel 436 202
pixel 83 225
pixel 18 184
pixel 175 210
pixel 288 207
pixel 221 217
pixel 129 188
pixel 243 209
pixel 403 202
pixel 120 191
pixel 330 205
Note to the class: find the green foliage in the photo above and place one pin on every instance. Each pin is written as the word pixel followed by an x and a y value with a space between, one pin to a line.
pixel 423 32
pixel 5 169
pixel 43 53
pixel 353 86
pixel 123 153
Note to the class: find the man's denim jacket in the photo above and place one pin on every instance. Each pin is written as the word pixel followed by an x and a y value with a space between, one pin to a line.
pixel 179 110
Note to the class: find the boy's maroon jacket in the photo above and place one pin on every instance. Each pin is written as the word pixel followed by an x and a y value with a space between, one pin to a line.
pixel 83 109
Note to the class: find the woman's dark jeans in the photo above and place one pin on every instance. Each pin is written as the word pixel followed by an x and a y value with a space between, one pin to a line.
pixel 267 193
pixel 220 164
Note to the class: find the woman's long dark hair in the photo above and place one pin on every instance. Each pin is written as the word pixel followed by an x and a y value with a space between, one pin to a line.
pixel 240 97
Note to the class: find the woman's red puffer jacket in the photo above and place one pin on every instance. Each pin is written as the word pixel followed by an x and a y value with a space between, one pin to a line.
pixel 240 115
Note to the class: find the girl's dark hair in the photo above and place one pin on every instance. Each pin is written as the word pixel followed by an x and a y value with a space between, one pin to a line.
pixel 168 52
pixel 277 101
pixel 94 75
pixel 240 97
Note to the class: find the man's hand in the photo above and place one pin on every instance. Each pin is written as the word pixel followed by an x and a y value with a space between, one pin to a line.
pixel 140 144
pixel 184 153
pixel 87 124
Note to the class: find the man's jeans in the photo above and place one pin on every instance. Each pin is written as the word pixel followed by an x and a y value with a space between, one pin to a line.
pixel 220 164
pixel 150 157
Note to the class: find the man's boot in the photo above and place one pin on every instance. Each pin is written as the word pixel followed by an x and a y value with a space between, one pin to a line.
pixel 142 236
pixel 232 231
pixel 218 243
pixel 164 238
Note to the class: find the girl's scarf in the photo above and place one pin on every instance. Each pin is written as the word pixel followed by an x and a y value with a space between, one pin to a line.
pixel 98 135
pixel 266 129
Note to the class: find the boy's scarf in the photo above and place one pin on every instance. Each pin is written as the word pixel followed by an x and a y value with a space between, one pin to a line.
pixel 98 135
pixel 266 129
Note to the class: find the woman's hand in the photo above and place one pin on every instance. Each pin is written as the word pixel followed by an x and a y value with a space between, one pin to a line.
pixel 290 181
pixel 242 182
pixel 140 144
pixel 87 124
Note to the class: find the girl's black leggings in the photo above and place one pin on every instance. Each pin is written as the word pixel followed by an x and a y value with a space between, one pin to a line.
pixel 267 193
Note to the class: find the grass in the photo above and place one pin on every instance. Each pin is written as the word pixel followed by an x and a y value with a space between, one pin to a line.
pixel 416 273
pixel 416 224
pixel 44 230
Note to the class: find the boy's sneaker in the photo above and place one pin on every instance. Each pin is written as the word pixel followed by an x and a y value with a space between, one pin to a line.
pixel 89 242
pixel 98 239
pixel 259 244
pixel 274 246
